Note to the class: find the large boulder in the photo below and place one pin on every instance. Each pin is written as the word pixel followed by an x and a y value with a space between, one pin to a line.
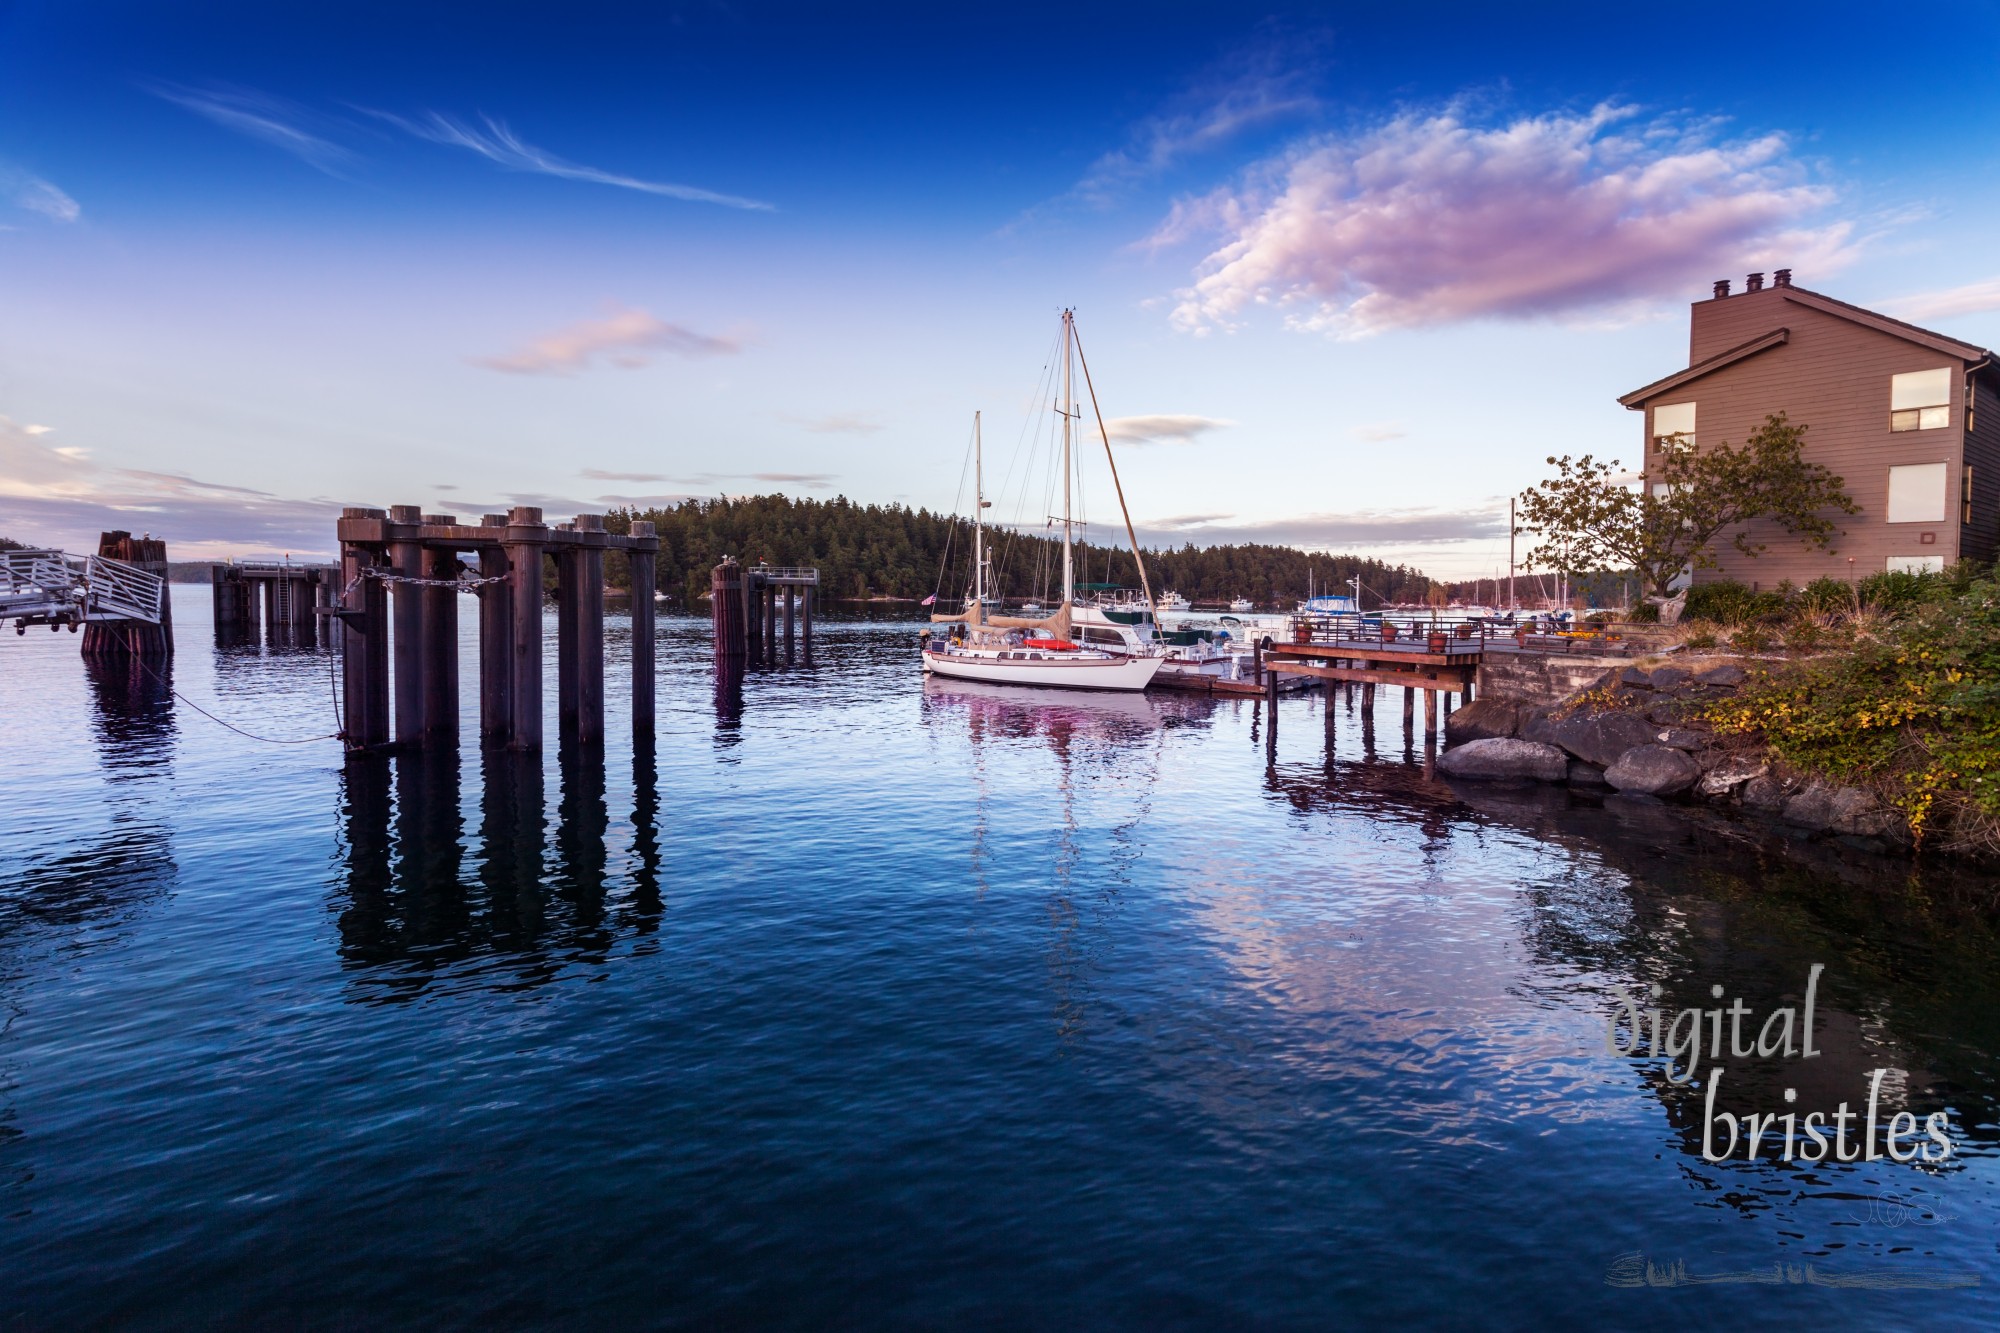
pixel 1596 738
pixel 1685 738
pixel 1585 775
pixel 1726 676
pixel 1505 757
pixel 1636 678
pixel 1822 806
pixel 1764 792
pixel 1480 720
pixel 1653 770
pixel 1670 677
pixel 1730 775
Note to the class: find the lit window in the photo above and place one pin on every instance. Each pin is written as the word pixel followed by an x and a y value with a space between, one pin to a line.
pixel 1674 420
pixel 1916 493
pixel 1920 400
pixel 1916 564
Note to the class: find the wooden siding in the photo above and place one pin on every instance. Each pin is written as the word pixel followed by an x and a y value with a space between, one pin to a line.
pixel 1981 538
pixel 1833 377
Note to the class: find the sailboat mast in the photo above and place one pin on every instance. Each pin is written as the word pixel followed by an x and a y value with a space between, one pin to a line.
pixel 1138 557
pixel 1068 410
pixel 978 520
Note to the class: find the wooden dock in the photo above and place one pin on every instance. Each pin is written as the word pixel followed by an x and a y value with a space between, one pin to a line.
pixel 1434 665
pixel 291 596
pixel 429 559
pixel 744 603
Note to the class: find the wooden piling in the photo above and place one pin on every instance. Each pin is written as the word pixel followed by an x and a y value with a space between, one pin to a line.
pixel 406 557
pixel 728 612
pixel 1271 714
pixel 1368 700
pixel 325 595
pixel 791 637
pixel 569 580
pixel 645 615
pixel 496 641
pixel 588 623
pixel 364 641
pixel 806 627
pixel 770 625
pixel 440 613
pixel 1430 715
pixel 526 538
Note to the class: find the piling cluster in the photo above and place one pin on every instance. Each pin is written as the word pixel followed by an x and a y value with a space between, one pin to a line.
pixel 401 574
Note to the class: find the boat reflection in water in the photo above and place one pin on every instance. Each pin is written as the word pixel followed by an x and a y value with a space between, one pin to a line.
pixel 419 898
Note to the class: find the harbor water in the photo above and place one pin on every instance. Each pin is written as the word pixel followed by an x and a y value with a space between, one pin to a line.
pixel 857 1000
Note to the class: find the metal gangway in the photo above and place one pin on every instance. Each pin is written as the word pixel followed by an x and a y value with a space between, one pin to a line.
pixel 54 588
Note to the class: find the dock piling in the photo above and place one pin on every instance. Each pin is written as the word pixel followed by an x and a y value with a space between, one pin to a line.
pixel 645 616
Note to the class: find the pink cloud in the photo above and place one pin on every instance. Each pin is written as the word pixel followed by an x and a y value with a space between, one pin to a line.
pixel 1428 220
pixel 626 338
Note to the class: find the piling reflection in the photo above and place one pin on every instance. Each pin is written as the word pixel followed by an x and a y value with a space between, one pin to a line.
pixel 425 900
pixel 582 822
pixel 728 702
pixel 97 868
pixel 646 902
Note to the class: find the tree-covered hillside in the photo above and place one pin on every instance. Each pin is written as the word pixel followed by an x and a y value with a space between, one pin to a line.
pixel 890 551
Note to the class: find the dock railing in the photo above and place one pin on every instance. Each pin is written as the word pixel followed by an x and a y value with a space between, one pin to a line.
pixel 1534 635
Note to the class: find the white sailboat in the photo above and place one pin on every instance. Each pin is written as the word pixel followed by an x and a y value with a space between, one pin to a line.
pixel 1019 650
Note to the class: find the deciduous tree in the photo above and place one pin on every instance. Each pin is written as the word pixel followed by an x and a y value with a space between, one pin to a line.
pixel 1593 517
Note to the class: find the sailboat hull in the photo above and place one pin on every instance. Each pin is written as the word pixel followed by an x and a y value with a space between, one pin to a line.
pixel 1050 672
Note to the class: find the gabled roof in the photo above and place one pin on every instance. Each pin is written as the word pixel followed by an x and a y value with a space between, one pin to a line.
pixel 1895 328
pixel 1638 397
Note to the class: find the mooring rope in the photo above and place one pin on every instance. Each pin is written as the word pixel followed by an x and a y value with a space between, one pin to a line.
pixel 221 722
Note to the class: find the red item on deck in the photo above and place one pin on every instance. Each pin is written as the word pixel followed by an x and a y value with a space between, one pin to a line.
pixel 1053 645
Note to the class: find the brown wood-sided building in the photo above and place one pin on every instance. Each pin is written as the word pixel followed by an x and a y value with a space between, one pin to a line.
pixel 1909 419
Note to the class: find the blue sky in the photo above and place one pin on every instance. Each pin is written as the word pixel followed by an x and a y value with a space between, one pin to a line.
pixel 1346 274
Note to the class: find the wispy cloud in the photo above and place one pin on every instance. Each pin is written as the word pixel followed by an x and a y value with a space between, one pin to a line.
pixel 494 141
pixel 598 474
pixel 60 496
pixel 1161 429
pixel 258 116
pixel 838 423
pixel 36 195
pixel 1431 219
pixel 1363 528
pixel 1972 299
pixel 798 478
pixel 626 338
pixel 1378 432
pixel 1266 82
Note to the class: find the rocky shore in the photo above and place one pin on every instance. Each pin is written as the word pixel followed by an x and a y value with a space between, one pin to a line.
pixel 1642 732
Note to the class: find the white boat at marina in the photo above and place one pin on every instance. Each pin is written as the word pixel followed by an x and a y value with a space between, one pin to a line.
pixel 1172 601
pixel 1242 604
pixel 1039 651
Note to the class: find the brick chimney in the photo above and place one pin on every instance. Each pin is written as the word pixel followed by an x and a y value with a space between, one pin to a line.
pixel 1782 278
pixel 1754 283
pixel 1721 288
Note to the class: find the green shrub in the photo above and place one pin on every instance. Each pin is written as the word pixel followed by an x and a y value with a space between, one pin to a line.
pixel 1722 601
pixel 1750 639
pixel 1826 595
pixel 1645 613
pixel 1701 636
pixel 1803 634
pixel 1916 712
